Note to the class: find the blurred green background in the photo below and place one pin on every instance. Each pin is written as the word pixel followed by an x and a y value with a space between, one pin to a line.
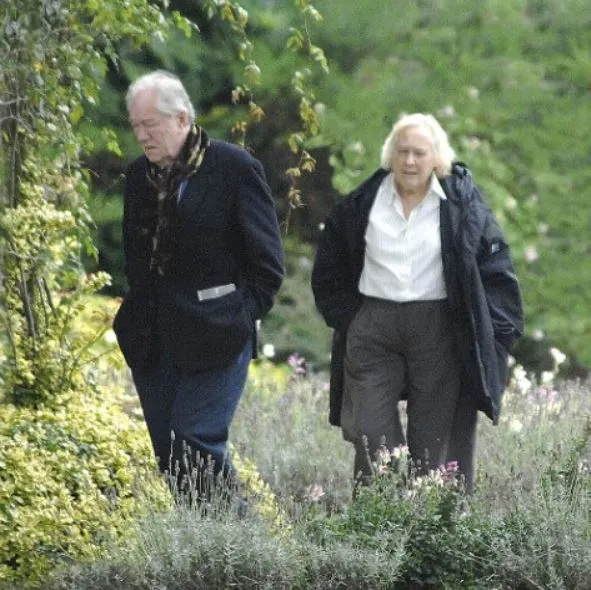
pixel 509 80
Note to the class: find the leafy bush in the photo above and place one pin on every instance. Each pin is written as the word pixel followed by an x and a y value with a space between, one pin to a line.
pixel 67 449
pixel 548 540
pixel 73 479
pixel 168 553
pixel 425 522
pixel 526 527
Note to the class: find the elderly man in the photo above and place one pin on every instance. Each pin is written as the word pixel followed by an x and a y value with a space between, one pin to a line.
pixel 203 260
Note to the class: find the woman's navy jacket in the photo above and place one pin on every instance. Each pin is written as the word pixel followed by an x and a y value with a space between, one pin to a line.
pixel 482 289
pixel 227 234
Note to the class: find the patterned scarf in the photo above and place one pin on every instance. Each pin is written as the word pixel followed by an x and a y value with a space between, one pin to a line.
pixel 159 209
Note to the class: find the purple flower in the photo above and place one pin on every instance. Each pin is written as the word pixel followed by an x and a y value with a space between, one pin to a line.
pixel 452 467
pixel 297 363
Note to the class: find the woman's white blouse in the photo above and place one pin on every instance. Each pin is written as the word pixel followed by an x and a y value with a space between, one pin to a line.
pixel 403 256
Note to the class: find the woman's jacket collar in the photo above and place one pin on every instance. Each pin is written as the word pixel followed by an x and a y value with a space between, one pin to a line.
pixel 457 185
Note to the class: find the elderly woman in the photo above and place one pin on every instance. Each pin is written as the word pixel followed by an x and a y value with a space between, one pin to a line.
pixel 416 278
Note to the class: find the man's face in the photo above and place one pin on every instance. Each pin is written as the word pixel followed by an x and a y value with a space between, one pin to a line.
pixel 414 160
pixel 161 136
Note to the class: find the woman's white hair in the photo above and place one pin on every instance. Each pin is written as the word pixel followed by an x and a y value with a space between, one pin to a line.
pixel 171 96
pixel 444 153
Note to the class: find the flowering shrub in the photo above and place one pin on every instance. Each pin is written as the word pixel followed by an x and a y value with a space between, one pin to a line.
pixel 526 525
pixel 423 520
pixel 298 364
pixel 73 481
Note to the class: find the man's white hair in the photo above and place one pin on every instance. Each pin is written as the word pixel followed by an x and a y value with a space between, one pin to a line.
pixel 171 96
pixel 444 153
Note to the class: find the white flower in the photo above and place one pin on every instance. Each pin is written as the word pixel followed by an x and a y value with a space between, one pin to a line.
pixel 473 92
pixel 511 203
pixel 109 337
pixel 436 477
pixel 531 254
pixel 357 148
pixel 269 350
pixel 538 335
pixel 558 356
pixel 383 455
pixel 515 425
pixel 400 451
pixel 547 377
pixel 305 263
pixel 382 469
pixel 418 482
pixel 320 108
pixel 522 383
pixel 447 111
pixel 315 492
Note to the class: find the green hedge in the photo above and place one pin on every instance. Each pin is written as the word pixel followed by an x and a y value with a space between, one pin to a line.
pixel 72 480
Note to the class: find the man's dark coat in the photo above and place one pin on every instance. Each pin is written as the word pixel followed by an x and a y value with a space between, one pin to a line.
pixel 227 232
pixel 482 289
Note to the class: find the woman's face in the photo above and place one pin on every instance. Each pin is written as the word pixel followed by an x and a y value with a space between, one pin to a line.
pixel 414 161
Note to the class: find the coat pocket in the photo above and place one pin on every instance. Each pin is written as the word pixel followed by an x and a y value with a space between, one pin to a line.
pixel 134 325
pixel 205 333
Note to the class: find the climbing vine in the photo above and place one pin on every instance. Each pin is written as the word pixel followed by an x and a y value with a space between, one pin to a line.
pixel 54 56
pixel 302 84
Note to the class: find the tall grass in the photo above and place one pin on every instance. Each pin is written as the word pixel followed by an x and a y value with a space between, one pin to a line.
pixel 527 526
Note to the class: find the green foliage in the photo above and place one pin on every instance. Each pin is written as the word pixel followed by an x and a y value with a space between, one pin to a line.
pixel 54 56
pixel 422 521
pixel 67 450
pixel 43 286
pixel 293 325
pixel 509 82
pixel 303 459
pixel 526 526
pixel 74 479
pixel 506 79
pixel 228 554
pixel 544 540
pixel 249 84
